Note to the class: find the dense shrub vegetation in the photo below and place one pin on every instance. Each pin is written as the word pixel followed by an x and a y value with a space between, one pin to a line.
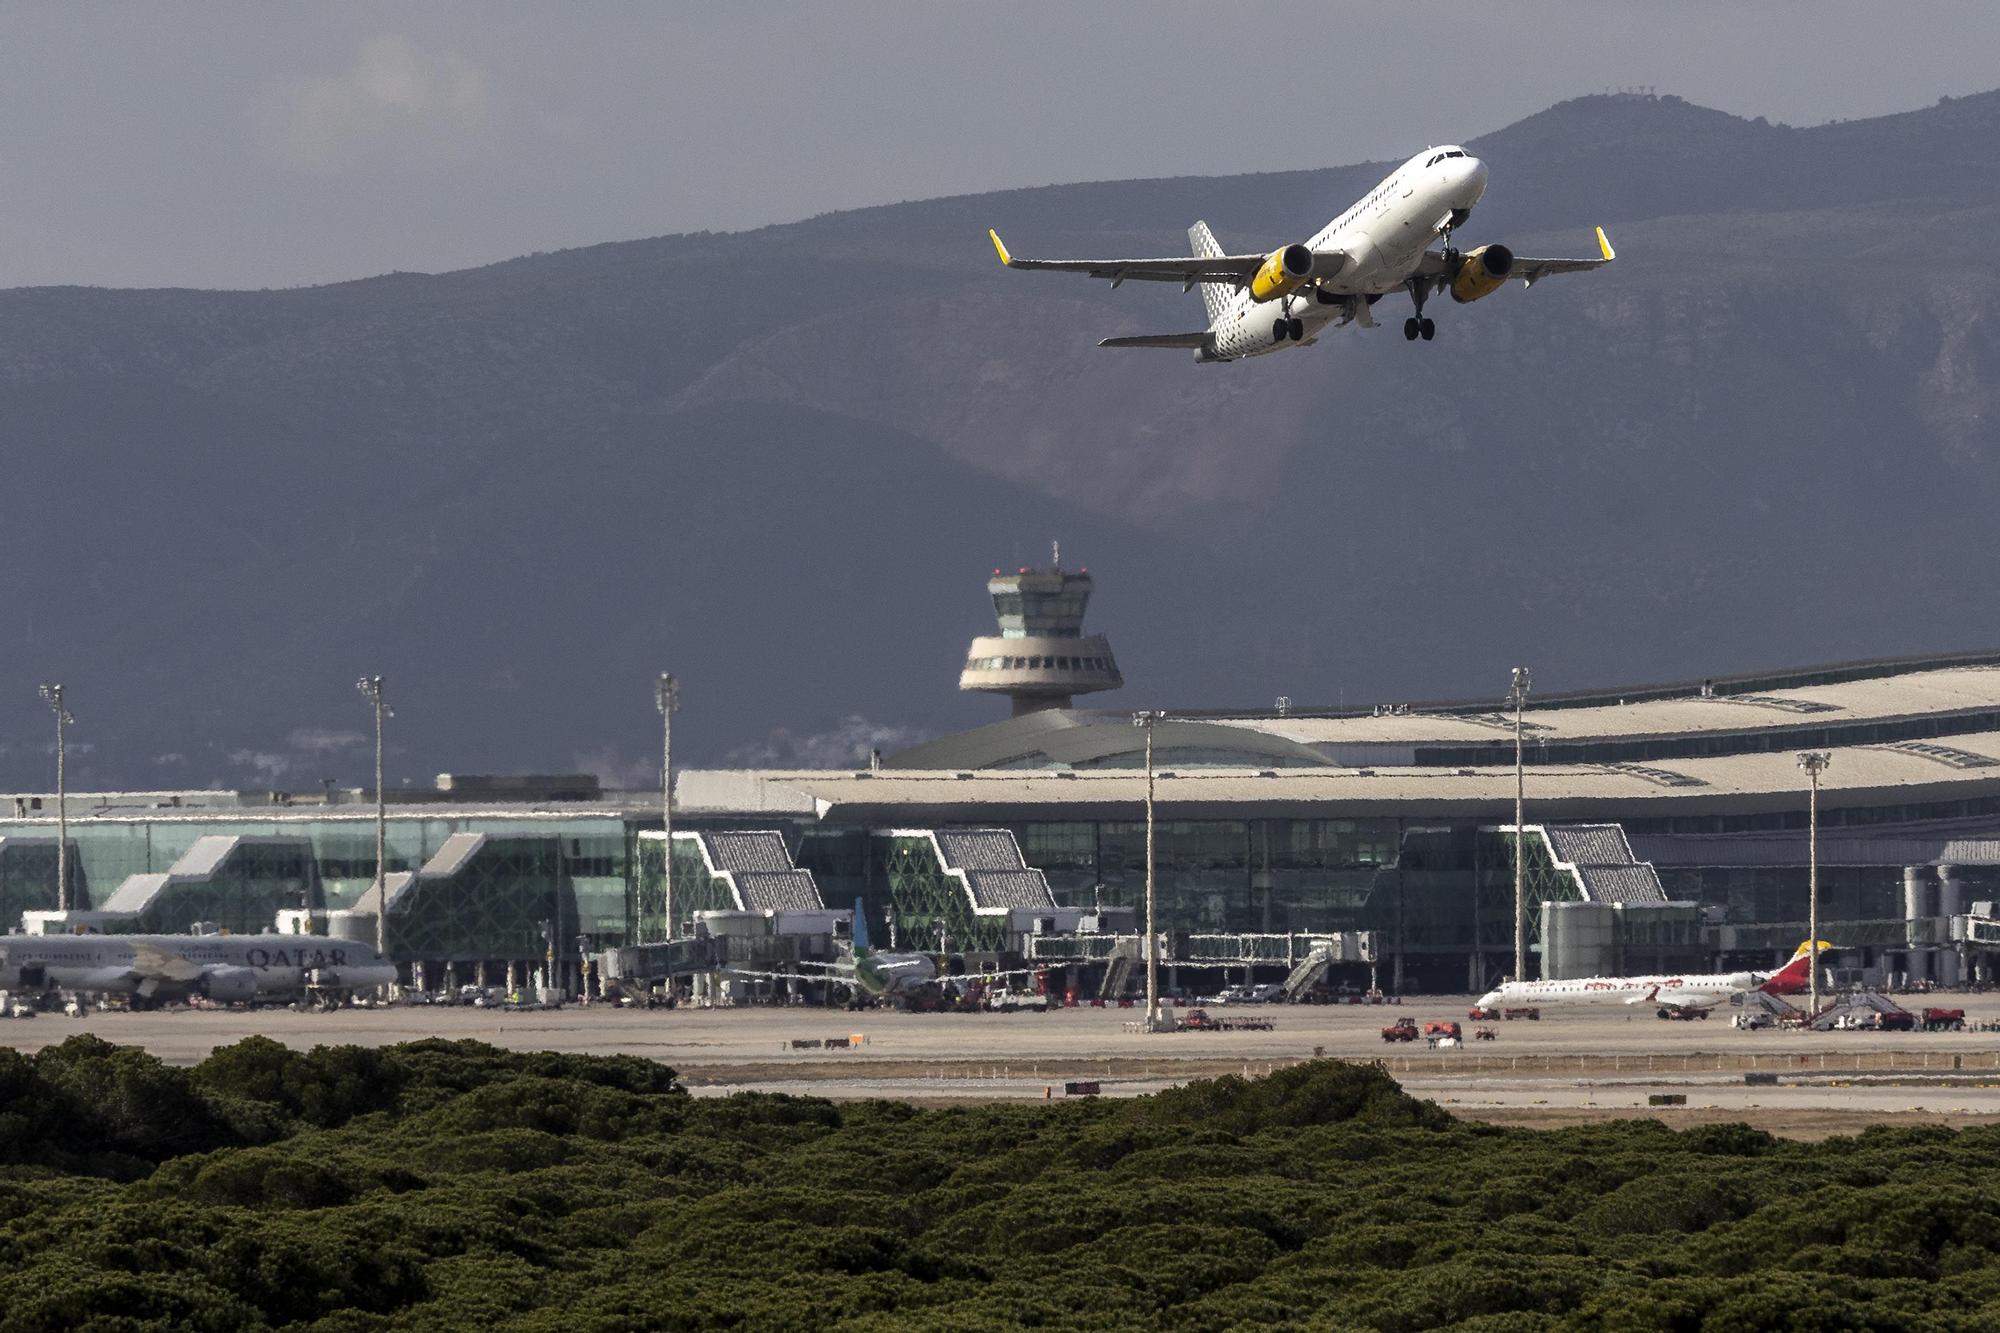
pixel 451 1185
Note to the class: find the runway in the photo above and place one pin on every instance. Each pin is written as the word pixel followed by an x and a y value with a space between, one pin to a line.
pixel 1572 1064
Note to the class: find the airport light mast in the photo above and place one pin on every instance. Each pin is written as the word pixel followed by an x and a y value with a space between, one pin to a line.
pixel 371 690
pixel 667 698
pixel 1814 762
pixel 53 696
pixel 1518 696
pixel 1147 719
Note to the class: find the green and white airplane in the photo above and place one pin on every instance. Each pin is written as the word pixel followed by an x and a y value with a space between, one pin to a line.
pixel 890 976
pixel 896 977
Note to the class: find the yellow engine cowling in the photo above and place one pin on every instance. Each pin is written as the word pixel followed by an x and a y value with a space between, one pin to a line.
pixel 1481 272
pixel 1282 273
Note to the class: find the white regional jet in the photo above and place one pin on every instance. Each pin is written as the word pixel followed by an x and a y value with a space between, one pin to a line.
pixel 1260 303
pixel 1674 997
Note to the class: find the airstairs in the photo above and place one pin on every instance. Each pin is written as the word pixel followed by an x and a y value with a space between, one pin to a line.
pixel 1856 1005
pixel 1118 969
pixel 1309 972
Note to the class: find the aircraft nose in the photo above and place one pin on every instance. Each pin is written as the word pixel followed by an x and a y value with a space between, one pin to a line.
pixel 1472 179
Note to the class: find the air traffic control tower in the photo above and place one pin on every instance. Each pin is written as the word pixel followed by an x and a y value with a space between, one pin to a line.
pixel 1041 657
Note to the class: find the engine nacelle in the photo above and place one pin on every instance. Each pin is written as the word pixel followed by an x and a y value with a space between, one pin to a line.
pixel 1481 272
pixel 353 976
pixel 1282 273
pixel 227 985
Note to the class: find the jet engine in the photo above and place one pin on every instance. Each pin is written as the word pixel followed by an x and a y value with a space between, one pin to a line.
pixel 1481 272
pixel 1282 273
pixel 353 976
pixel 227 984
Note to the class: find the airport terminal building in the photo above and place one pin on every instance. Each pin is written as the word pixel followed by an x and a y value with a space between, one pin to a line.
pixel 1676 813
pixel 1666 827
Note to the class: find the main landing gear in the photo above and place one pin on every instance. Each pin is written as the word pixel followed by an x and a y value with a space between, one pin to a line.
pixel 1418 325
pixel 1281 329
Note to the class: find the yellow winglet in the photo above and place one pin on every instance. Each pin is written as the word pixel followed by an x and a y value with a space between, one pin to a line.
pixel 1602 244
pixel 1005 258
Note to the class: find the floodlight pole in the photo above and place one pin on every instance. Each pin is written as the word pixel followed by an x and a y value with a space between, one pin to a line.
pixel 1814 762
pixel 371 690
pixel 1146 720
pixel 53 696
pixel 1519 696
pixel 667 698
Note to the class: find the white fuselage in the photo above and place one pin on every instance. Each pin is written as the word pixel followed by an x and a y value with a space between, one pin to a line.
pixel 1383 235
pixel 241 967
pixel 1686 992
pixel 894 974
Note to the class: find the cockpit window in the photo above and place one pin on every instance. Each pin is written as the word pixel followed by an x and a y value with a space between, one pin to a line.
pixel 1434 161
pixel 1454 153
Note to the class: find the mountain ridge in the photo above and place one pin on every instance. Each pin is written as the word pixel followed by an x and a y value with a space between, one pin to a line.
pixel 1764 435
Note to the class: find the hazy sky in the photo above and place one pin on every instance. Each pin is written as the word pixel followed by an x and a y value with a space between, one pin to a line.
pixel 260 144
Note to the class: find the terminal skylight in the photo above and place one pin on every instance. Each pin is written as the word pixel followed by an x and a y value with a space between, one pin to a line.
pixel 1949 755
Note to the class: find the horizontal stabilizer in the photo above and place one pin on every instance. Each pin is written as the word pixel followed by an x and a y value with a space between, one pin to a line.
pixel 1159 340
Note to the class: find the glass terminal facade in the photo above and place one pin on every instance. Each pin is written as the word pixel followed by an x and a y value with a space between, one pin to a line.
pixel 1437 892
pixel 525 868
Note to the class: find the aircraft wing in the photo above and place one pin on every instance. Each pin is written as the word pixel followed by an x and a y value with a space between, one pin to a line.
pixel 1692 999
pixel 1187 270
pixel 1531 271
pixel 151 962
pixel 995 976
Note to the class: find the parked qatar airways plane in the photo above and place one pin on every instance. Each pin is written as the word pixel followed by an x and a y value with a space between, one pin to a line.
pixel 156 968
pixel 1672 995
pixel 1259 303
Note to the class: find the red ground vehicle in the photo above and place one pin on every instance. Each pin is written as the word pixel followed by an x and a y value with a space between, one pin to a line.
pixel 1944 1020
pixel 1403 1029
pixel 1528 1012
pixel 1478 1015
pixel 1899 1020
pixel 1447 1029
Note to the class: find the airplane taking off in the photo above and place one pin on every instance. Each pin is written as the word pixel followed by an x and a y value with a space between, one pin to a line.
pixel 156 968
pixel 1259 303
pixel 1674 996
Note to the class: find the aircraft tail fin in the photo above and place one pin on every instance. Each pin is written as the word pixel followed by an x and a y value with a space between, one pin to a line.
pixel 1214 295
pixel 860 931
pixel 1793 976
